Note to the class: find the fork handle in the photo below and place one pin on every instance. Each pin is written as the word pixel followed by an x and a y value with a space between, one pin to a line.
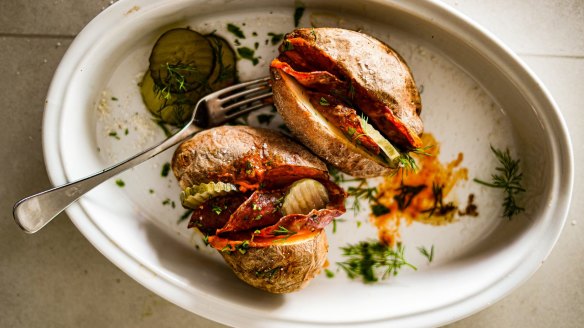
pixel 34 212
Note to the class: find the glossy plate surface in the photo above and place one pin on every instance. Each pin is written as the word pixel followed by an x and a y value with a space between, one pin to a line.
pixel 475 93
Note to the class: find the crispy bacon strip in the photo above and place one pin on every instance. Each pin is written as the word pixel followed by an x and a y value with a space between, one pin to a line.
pixel 262 208
pixel 293 225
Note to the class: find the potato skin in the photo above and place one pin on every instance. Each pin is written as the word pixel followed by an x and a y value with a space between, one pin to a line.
pixel 213 152
pixel 281 268
pixel 367 61
pixel 320 138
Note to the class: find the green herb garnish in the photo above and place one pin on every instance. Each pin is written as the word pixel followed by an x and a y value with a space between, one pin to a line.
pixel 379 210
pixel 287 46
pixel 406 195
pixel 371 261
pixel 165 169
pixel 429 254
pixel 439 206
pixel 114 134
pixel 235 30
pixel 216 209
pixel 185 216
pixel 508 179
pixel 120 183
pixel 248 53
pixel 275 38
pixel 282 231
pixel 298 12
pixel 323 102
pixel 243 247
pixel 329 273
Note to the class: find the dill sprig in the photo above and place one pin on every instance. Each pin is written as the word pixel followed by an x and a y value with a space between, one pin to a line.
pixel 508 179
pixel 372 261
pixel 429 254
pixel 439 206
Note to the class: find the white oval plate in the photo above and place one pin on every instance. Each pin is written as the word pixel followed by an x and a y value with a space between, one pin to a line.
pixel 475 93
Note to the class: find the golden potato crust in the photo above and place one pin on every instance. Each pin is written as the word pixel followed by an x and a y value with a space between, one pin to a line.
pixel 213 152
pixel 281 268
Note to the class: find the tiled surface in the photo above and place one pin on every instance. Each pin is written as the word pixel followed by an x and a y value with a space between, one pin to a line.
pixel 57 279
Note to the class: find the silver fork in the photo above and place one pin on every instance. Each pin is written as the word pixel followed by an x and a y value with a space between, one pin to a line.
pixel 34 212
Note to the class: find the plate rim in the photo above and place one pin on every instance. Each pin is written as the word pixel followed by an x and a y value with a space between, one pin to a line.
pixel 561 144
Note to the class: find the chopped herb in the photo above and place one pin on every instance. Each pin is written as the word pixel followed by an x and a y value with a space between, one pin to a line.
pixel 166 201
pixel 443 209
pixel 298 12
pixel 258 217
pixel 265 118
pixel 126 131
pixel 275 38
pixel 371 261
pixel 329 273
pixel 243 247
pixel 254 33
pixel 313 32
pixel 287 46
pixel 509 180
pixel 176 78
pixel 237 43
pixel 323 102
pixel 248 168
pixel 185 216
pixel 282 231
pixel 216 209
pixel 379 210
pixel 165 169
pixel 120 183
pixel 235 30
pixel 362 192
pixel 406 195
pixel 114 99
pixel 248 53
pixel 114 134
pixel 256 45
pixel 151 191
pixel 351 131
pixel 335 224
pixel 206 239
pixel 428 254
pixel 407 162
pixel 358 224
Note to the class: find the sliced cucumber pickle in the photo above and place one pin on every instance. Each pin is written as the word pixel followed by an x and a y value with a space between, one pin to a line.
pixel 172 108
pixel 193 197
pixel 390 154
pixel 181 60
pixel 224 73
pixel 303 196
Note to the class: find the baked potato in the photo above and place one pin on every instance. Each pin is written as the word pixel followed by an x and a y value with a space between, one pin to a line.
pixel 262 201
pixel 348 97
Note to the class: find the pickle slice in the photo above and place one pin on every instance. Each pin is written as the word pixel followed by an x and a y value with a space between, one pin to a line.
pixel 193 197
pixel 172 108
pixel 181 60
pixel 389 153
pixel 223 74
pixel 303 196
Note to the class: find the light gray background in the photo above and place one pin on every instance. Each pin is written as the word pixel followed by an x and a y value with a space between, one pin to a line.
pixel 55 278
